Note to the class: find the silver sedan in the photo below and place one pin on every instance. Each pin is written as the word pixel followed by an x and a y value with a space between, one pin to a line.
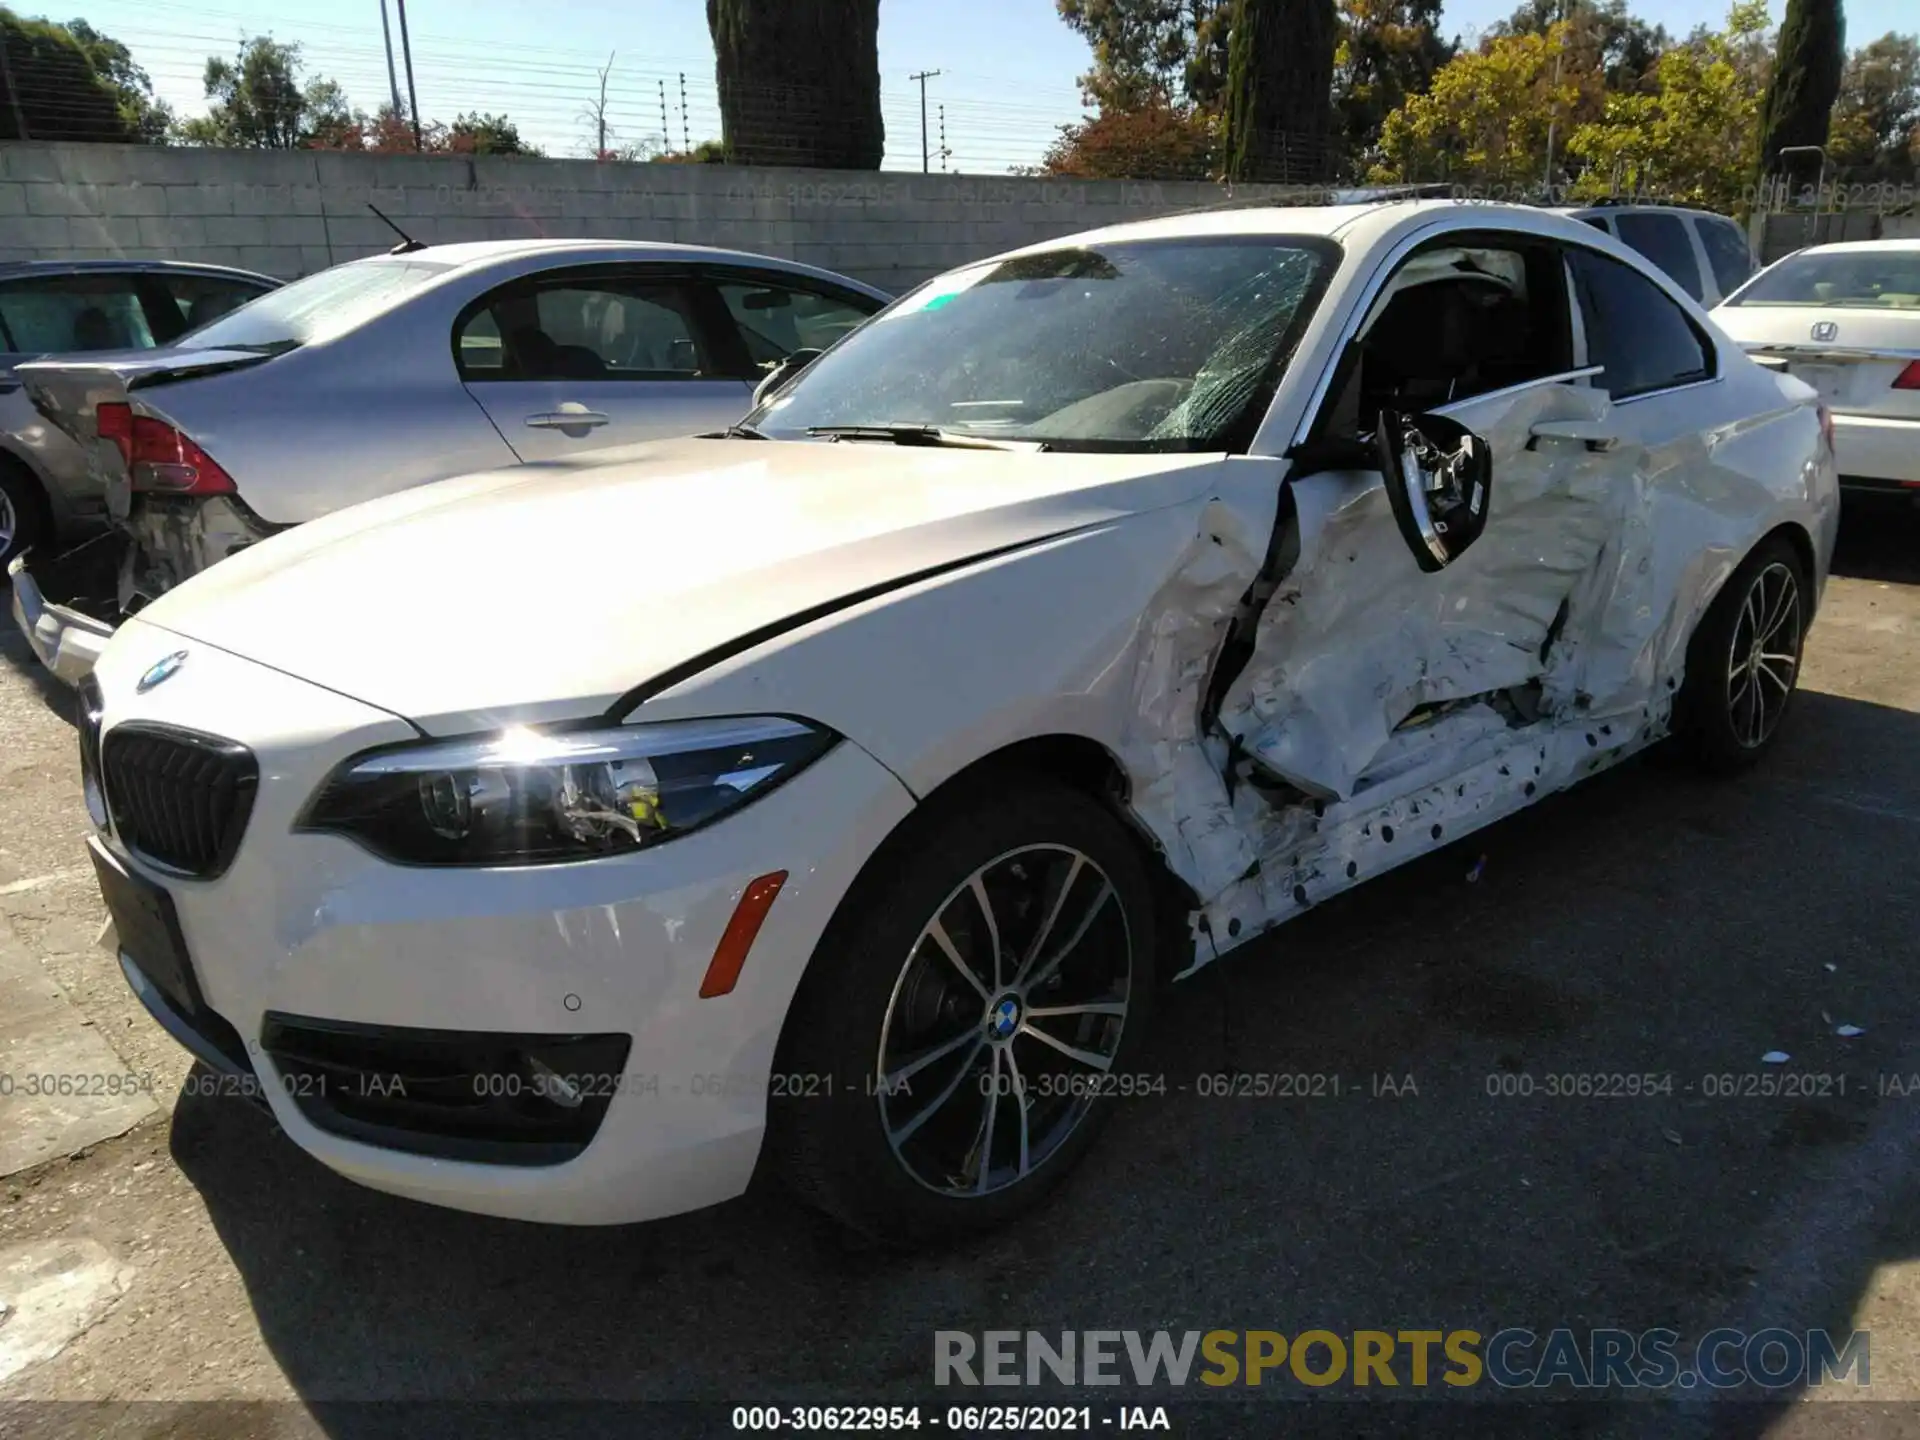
pixel 386 373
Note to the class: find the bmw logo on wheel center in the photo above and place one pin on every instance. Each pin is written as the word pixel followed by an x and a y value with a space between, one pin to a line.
pixel 161 671
pixel 1004 1018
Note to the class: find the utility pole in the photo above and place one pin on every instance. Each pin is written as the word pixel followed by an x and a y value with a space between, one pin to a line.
pixel 1553 114
pixel 923 77
pixel 686 140
pixel 393 79
pixel 413 97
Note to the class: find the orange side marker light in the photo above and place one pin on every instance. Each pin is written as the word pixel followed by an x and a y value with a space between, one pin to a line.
pixel 731 953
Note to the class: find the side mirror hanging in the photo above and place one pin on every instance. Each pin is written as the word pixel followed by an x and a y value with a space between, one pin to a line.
pixel 1439 479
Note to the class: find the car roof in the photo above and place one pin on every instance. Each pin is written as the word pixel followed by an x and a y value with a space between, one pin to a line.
pixel 17 269
pixel 476 254
pixel 1856 247
pixel 1365 222
pixel 1636 208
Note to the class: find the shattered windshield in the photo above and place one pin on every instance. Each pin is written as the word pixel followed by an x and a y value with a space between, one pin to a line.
pixel 1141 345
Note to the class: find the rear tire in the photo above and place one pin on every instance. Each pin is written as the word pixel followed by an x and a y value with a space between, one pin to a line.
pixel 921 1096
pixel 23 512
pixel 1743 663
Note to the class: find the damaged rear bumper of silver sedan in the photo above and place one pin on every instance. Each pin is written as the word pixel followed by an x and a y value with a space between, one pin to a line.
pixel 63 604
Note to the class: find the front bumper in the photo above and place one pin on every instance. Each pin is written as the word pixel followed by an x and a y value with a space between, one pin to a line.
pixel 66 641
pixel 311 925
pixel 1882 453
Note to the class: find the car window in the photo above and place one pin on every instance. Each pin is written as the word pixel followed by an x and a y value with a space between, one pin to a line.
pixel 1883 277
pixel 65 314
pixel 1640 338
pixel 775 320
pixel 1174 344
pixel 317 308
pixel 1663 239
pixel 1727 253
pixel 616 330
pixel 202 299
pixel 1454 321
pixel 1598 222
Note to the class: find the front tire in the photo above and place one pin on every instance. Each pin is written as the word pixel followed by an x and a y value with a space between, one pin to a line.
pixel 1743 663
pixel 957 1040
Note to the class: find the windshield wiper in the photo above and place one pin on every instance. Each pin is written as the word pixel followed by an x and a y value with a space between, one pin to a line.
pixel 740 430
pixel 922 435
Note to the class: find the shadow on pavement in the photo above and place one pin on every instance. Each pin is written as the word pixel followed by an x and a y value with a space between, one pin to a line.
pixel 1879 539
pixel 1649 924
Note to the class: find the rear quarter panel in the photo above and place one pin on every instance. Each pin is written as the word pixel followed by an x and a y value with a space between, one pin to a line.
pixel 373 411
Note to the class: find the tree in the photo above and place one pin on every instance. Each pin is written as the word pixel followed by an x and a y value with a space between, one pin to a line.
pixel 1279 79
pixel 1388 50
pixel 1798 104
pixel 1154 140
pixel 1689 135
pixel 1484 121
pixel 799 81
pixel 145 116
pixel 478 134
pixel 707 152
pixel 1876 121
pixel 260 103
pixel 1602 35
pixel 1172 51
pixel 50 88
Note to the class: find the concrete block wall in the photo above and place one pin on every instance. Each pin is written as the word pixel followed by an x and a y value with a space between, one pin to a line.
pixel 289 213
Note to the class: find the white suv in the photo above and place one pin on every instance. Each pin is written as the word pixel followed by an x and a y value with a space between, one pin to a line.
pixel 1707 253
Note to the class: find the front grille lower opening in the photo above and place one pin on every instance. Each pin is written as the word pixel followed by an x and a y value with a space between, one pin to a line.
pixel 489 1097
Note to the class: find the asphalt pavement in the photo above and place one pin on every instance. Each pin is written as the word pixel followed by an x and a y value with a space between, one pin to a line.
pixel 1650 923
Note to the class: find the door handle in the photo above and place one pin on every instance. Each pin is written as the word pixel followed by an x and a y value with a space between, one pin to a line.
pixel 582 419
pixel 1597 434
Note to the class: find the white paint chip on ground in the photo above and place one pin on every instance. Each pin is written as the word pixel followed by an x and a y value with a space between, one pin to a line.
pixel 54 1291
pixel 41 882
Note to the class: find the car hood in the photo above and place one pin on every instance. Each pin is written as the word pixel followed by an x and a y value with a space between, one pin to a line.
pixel 547 592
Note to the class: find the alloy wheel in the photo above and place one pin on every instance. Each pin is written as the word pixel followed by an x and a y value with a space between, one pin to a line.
pixel 9 522
pixel 1765 655
pixel 1007 1013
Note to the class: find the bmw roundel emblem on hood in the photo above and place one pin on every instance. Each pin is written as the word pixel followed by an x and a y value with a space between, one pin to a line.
pixel 1825 330
pixel 161 671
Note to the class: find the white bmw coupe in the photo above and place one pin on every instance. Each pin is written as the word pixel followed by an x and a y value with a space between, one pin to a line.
pixel 839 792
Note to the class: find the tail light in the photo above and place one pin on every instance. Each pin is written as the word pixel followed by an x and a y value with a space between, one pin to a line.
pixel 1826 427
pixel 158 457
pixel 1909 378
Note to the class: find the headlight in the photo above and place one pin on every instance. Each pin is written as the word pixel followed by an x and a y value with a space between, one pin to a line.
pixel 529 796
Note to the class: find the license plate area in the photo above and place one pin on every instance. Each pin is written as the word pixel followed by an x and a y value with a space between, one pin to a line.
pixel 149 929
pixel 1828 380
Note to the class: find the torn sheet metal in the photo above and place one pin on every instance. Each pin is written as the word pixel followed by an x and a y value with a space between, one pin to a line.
pixel 1180 792
pixel 177 538
pixel 1384 711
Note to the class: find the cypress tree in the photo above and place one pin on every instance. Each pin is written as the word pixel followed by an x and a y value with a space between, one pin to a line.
pixel 1806 79
pixel 799 81
pixel 1279 89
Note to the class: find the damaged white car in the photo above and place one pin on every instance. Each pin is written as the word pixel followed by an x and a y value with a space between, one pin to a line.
pixel 838 793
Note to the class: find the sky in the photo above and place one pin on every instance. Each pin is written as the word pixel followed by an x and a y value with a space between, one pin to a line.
pixel 1007 82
